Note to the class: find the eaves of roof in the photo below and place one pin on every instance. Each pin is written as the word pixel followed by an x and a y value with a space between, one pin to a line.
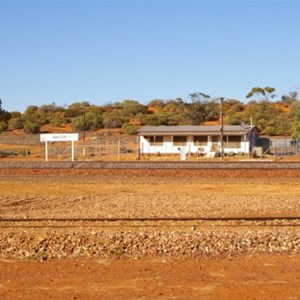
pixel 194 130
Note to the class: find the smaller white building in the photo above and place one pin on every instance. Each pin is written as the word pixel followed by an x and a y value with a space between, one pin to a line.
pixel 202 140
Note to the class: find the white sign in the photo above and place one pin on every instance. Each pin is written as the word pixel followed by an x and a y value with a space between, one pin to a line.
pixel 59 137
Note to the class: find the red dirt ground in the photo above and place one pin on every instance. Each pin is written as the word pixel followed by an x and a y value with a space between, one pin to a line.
pixel 261 276
pixel 258 277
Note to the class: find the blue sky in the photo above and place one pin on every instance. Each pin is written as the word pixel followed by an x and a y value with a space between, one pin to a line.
pixel 108 51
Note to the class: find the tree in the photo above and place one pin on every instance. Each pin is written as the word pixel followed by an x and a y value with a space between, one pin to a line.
pixel 76 109
pixel 199 97
pixel 130 108
pixel 262 94
pixel 290 99
pixel 89 121
pixel 112 120
pixel 156 103
pixel 157 119
pixel 58 119
pixel 174 106
pixel 4 117
pixel 212 109
pixel 130 129
pixel 31 127
pixel 296 123
pixel 16 123
pixel 3 126
pixel 15 114
pixel 196 113
pixel 233 112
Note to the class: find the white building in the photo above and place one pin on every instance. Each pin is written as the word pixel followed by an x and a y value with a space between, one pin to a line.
pixel 196 139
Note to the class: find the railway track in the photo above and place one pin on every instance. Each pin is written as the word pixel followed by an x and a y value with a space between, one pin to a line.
pixel 276 221
pixel 164 165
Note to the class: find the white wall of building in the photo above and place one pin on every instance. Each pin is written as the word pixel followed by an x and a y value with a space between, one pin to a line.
pixel 167 146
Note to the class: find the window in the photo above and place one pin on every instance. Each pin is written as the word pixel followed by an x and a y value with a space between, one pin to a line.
pixel 155 140
pixel 179 140
pixel 234 141
pixel 215 139
pixel 200 140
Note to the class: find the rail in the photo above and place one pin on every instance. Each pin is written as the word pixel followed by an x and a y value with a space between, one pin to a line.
pixel 275 221
pixel 150 165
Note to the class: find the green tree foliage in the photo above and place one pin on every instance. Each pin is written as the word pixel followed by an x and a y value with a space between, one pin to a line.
pixel 295 127
pixel 157 103
pixel 4 117
pixel 290 99
pixel 197 109
pixel 174 106
pixel 112 120
pixel 272 118
pixel 76 109
pixel 31 119
pixel 31 127
pixel 262 94
pixel 269 117
pixel 233 112
pixel 15 114
pixel 130 108
pixel 157 119
pixel 212 109
pixel 58 119
pixel 140 118
pixel 130 129
pixel 88 121
pixel 30 111
pixel 16 123
pixel 3 126
pixel 196 113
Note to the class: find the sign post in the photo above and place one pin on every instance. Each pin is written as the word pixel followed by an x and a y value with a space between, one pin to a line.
pixel 46 150
pixel 58 137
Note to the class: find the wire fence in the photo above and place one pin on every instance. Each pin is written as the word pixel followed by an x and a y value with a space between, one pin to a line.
pixel 279 147
pixel 97 149
pixel 284 147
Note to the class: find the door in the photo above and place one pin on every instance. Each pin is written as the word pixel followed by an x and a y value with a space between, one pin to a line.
pixel 214 143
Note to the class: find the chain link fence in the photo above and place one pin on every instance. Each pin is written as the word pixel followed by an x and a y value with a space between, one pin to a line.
pixel 279 147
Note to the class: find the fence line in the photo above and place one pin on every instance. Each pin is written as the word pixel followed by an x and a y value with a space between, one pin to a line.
pixel 93 150
pixel 284 147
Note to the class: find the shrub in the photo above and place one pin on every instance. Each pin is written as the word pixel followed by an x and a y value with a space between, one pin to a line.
pixel 3 126
pixel 111 122
pixel 15 123
pixel 31 127
pixel 23 152
pixel 130 129
pixel 269 130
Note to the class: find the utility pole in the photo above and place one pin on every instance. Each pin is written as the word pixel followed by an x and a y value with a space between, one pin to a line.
pixel 222 127
pixel 83 136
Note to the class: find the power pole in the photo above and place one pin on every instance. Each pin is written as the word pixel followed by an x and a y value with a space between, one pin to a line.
pixel 83 137
pixel 222 127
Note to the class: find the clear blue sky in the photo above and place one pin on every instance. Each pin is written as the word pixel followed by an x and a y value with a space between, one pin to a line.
pixel 108 51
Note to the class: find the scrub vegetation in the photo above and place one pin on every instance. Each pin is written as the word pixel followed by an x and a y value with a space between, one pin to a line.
pixel 270 115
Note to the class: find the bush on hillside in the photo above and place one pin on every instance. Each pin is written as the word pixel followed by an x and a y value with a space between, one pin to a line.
pixel 31 127
pixel 3 126
pixel 130 129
